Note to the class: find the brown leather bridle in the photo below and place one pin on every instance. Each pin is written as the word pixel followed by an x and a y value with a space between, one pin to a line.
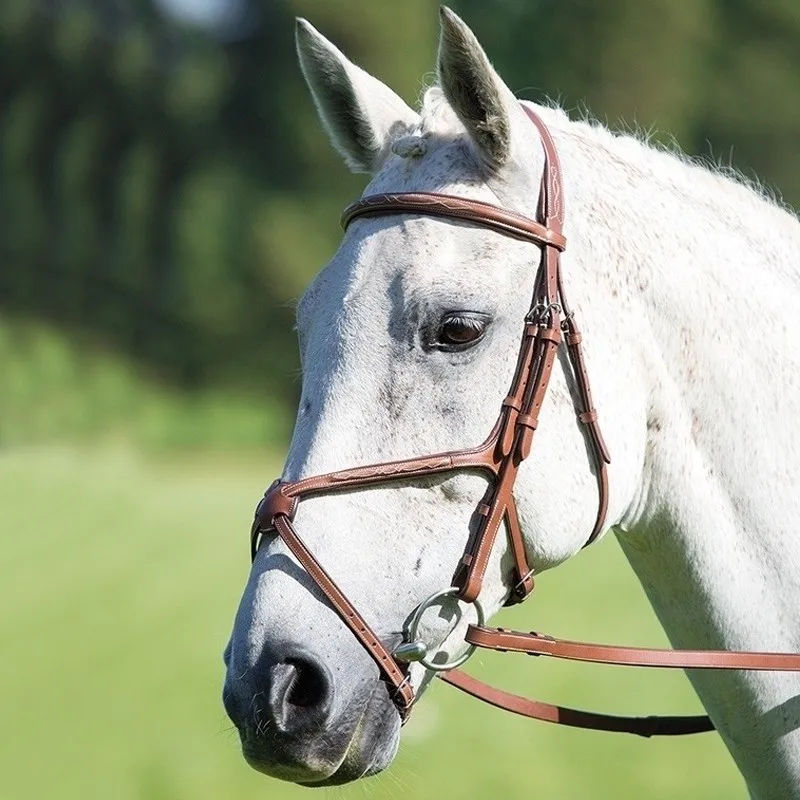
pixel 499 457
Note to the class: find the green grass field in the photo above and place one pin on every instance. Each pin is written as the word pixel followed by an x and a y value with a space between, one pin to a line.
pixel 120 574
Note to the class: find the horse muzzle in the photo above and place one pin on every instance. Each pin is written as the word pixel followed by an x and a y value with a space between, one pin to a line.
pixel 298 723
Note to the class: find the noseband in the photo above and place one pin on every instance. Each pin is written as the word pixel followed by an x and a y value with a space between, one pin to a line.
pixel 548 322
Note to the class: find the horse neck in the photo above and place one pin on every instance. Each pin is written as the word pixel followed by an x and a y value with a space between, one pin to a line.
pixel 706 280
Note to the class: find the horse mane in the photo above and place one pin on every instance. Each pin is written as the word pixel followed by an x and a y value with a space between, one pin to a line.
pixel 661 155
pixel 657 157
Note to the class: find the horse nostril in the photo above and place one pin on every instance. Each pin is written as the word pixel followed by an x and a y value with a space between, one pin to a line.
pixel 308 686
pixel 300 693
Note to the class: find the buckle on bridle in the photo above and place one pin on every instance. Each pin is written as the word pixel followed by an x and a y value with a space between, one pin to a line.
pixel 541 312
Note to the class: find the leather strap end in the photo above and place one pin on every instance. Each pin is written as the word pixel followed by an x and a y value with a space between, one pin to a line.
pixel 525 442
pixel 506 440
pixel 600 442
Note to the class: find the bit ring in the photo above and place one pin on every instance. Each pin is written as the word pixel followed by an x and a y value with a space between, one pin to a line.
pixel 412 631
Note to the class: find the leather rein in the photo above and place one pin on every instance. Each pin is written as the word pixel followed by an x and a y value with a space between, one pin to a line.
pixel 548 322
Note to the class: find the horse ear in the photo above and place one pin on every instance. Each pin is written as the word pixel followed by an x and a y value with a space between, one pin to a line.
pixel 360 114
pixel 477 94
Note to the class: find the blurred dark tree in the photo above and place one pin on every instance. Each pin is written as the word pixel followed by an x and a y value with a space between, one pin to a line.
pixel 168 192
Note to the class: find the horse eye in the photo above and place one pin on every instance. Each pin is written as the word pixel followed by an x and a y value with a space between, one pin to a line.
pixel 460 330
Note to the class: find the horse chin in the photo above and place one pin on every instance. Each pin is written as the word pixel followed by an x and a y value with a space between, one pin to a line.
pixel 373 745
pixel 369 750
pixel 359 764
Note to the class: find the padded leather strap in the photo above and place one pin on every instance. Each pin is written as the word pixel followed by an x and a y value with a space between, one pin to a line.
pixel 390 671
pixel 572 717
pixel 433 204
pixel 539 644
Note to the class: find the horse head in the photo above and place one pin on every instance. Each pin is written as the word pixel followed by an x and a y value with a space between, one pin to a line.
pixel 409 339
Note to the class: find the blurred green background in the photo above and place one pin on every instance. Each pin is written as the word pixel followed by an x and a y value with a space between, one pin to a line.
pixel 165 195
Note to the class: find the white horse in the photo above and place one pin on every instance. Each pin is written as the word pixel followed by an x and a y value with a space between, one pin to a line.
pixel 688 287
